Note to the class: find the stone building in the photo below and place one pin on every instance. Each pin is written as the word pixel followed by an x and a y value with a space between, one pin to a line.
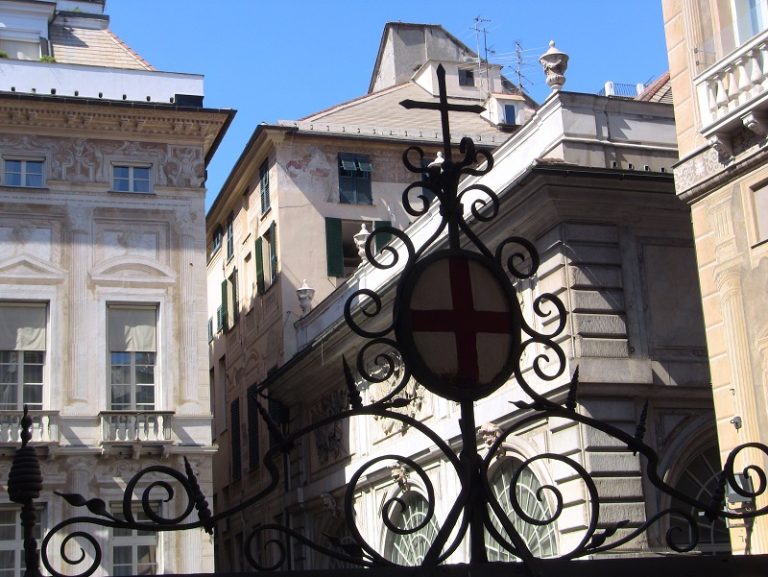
pixel 102 275
pixel 718 57
pixel 587 179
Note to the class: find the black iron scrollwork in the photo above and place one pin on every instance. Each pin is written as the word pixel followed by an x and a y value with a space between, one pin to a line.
pixel 476 513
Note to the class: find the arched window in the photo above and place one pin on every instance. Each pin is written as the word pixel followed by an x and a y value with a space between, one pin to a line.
pixel 408 512
pixel 540 539
pixel 699 480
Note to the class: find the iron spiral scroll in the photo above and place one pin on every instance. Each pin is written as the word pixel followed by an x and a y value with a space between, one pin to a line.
pixel 394 352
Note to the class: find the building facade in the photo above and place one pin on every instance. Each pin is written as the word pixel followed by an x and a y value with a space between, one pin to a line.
pixel 718 56
pixel 587 179
pixel 102 282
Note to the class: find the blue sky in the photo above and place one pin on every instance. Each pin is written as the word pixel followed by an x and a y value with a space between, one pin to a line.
pixel 282 60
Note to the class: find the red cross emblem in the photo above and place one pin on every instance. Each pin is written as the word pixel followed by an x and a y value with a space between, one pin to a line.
pixel 459 325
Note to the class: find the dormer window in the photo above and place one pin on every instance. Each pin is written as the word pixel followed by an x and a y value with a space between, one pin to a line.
pixel 510 113
pixel 466 77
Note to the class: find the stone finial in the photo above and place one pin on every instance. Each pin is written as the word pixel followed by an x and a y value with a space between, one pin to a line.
pixel 555 64
pixel 25 480
pixel 360 238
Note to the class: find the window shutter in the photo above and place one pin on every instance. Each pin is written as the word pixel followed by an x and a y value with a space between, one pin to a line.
pixel 132 329
pixel 22 327
pixel 273 250
pixel 253 430
pixel 383 238
pixel 334 250
pixel 234 424
pixel 259 267
pixel 224 306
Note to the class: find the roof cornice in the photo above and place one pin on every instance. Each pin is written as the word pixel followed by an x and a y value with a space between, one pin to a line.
pixel 110 119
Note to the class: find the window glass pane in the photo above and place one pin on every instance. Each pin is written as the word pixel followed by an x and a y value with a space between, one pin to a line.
pixel 119 358
pixel 33 396
pixel 121 185
pixel 145 398
pixel 145 358
pixel 121 397
pixel 34 357
pixel 121 172
pixel 33 374
pixel 145 375
pixel 8 357
pixel 121 375
pixel 8 399
pixel 9 373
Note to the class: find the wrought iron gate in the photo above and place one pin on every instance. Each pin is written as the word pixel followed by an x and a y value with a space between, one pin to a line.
pixel 455 257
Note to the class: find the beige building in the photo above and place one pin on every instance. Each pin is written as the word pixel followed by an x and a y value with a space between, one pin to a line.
pixel 102 276
pixel 718 57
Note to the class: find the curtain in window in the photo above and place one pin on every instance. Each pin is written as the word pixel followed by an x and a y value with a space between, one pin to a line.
pixel 22 327
pixel 132 329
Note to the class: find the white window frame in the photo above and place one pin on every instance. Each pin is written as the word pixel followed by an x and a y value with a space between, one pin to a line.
pixel 24 172
pixel 17 543
pixel 132 168
pixel 21 364
pixel 135 539
pixel 156 405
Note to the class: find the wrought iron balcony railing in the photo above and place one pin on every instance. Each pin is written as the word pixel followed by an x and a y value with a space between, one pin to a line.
pixel 136 426
pixel 45 426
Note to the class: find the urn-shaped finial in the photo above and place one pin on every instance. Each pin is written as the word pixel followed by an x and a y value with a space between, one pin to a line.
pixel 555 64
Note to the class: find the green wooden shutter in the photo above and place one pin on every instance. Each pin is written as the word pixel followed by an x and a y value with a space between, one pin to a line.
pixel 259 267
pixel 224 306
pixel 273 250
pixel 334 250
pixel 383 238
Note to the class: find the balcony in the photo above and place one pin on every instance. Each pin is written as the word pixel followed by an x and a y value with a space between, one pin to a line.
pixel 45 427
pixel 734 92
pixel 132 427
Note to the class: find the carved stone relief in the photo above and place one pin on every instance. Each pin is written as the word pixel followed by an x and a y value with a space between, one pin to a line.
pixel 79 160
pixel 22 238
pixel 184 166
pixel 329 439
pixel 412 392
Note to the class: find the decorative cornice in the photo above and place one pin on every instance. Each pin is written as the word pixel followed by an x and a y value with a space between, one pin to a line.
pixel 111 120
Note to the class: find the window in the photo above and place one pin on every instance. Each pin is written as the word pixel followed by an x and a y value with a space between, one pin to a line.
pixel 341 253
pixel 264 186
pixel 509 114
pixel 234 297
pixel 130 178
pixel 253 431
pixel 132 357
pixel 230 236
pixel 234 430
pixel 216 239
pixel 135 552
pixel 23 173
pixel 409 512
pixel 466 77
pixel 355 179
pixel 699 480
pixel 22 355
pixel 266 254
pixel 210 330
pixel 760 210
pixel 540 539
pixel 222 312
pixel 12 539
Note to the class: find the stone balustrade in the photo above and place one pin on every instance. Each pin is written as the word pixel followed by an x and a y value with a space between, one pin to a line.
pixel 730 90
pixel 45 426
pixel 136 426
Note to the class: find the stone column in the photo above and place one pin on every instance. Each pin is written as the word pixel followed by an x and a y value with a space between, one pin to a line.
pixel 188 316
pixel 81 345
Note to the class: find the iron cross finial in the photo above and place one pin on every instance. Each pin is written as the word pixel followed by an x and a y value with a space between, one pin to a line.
pixel 444 108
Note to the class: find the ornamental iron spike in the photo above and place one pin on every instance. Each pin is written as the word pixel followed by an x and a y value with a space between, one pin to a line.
pixel 640 430
pixel 570 402
pixel 201 504
pixel 718 498
pixel 274 428
pixel 355 400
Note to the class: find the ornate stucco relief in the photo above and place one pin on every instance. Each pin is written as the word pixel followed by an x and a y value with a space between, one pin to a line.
pixel 329 439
